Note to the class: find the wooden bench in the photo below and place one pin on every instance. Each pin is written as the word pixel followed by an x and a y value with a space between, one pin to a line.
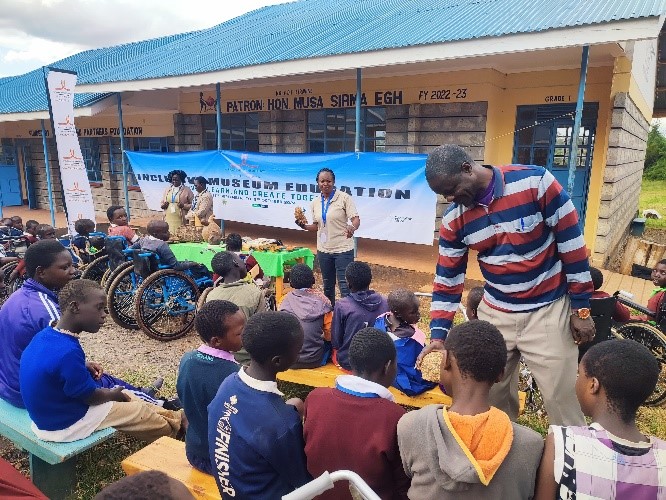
pixel 52 465
pixel 324 376
pixel 168 455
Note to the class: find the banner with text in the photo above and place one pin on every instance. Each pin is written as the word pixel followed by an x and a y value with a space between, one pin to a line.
pixel 78 196
pixel 389 189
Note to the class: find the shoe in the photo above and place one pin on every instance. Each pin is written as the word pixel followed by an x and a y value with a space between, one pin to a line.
pixel 152 389
pixel 173 404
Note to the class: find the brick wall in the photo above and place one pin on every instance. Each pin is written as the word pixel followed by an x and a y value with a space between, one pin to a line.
pixel 282 131
pixel 420 128
pixel 622 177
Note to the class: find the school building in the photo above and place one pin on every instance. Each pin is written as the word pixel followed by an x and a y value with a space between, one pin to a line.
pixel 500 78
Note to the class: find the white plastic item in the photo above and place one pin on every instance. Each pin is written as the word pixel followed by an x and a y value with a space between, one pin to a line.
pixel 626 295
pixel 325 482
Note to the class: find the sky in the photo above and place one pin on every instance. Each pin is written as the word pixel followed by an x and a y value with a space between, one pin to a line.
pixel 34 33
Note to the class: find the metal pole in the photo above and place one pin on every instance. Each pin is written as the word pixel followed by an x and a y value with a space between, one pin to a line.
pixel 49 187
pixel 357 139
pixel 218 117
pixel 122 153
pixel 573 152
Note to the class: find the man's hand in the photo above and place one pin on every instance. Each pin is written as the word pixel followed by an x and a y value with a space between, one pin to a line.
pixel 95 369
pixel 164 205
pixel 434 345
pixel 582 330
pixel 117 394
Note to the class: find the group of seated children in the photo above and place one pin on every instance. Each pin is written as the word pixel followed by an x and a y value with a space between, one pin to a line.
pixel 260 446
pixel 329 327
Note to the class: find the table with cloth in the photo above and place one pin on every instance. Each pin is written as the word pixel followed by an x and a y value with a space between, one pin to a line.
pixel 272 263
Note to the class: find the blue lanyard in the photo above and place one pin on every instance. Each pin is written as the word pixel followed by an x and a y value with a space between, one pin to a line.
pixel 355 393
pixel 324 209
pixel 175 195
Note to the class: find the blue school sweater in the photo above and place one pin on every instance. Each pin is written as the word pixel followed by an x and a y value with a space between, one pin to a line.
pixel 199 378
pixel 55 382
pixel 256 440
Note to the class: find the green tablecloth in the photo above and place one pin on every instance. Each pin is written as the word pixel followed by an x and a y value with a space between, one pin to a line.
pixel 272 263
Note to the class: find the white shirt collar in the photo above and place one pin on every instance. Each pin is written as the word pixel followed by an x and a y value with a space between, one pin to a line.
pixel 363 386
pixel 260 385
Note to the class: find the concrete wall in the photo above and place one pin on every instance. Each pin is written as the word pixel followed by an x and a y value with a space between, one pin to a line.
pixel 622 176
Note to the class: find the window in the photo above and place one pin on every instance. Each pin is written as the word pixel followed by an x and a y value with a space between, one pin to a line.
pixel 91 158
pixel 7 152
pixel 142 144
pixel 240 131
pixel 334 130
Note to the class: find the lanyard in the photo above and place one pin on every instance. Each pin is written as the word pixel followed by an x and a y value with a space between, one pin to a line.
pixel 174 196
pixel 324 208
pixel 196 199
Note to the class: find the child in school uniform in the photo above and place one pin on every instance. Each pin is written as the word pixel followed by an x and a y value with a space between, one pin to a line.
pixel 354 312
pixel 58 386
pixel 255 438
pixel 658 294
pixel 219 324
pixel 361 401
pixel 233 286
pixel 314 311
pixel 120 224
pixel 469 450
pixel 399 323
pixel 610 458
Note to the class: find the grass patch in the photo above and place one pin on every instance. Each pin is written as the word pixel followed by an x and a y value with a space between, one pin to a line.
pixel 652 196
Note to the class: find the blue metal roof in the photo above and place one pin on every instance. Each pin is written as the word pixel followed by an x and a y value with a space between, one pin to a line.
pixel 307 29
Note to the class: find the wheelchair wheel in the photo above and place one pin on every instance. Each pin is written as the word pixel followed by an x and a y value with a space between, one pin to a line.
pixel 655 341
pixel 111 274
pixel 120 298
pixel 203 297
pixel 6 270
pixel 96 269
pixel 166 304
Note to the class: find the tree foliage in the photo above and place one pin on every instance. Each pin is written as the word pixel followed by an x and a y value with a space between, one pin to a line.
pixel 655 155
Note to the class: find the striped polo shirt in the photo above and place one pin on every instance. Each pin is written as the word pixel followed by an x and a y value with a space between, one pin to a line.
pixel 531 249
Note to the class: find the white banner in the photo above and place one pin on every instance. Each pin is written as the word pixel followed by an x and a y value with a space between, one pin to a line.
pixel 78 196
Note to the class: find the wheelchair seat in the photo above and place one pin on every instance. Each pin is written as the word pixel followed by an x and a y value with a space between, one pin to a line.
pixel 145 262
pixel 114 249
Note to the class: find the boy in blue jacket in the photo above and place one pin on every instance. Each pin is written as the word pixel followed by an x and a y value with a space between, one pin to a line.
pixel 354 312
pixel 255 438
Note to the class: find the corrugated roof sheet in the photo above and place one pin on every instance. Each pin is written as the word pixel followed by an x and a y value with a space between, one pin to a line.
pixel 315 28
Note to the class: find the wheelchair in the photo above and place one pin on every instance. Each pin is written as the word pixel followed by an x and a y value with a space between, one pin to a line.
pixel 651 336
pixel 155 298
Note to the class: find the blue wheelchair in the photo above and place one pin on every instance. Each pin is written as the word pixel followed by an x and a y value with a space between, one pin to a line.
pixel 144 294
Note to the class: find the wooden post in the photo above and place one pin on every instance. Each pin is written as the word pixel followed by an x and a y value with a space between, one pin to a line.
pixel 628 258
pixel 657 252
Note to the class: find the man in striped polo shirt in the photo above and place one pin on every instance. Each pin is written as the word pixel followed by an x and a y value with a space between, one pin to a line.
pixel 534 260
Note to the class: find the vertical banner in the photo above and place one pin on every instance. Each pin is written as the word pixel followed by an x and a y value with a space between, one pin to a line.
pixel 78 196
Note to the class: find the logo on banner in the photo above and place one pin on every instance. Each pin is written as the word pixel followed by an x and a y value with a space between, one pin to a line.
pixel 71 156
pixel 243 164
pixel 63 86
pixel 76 189
pixel 66 128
